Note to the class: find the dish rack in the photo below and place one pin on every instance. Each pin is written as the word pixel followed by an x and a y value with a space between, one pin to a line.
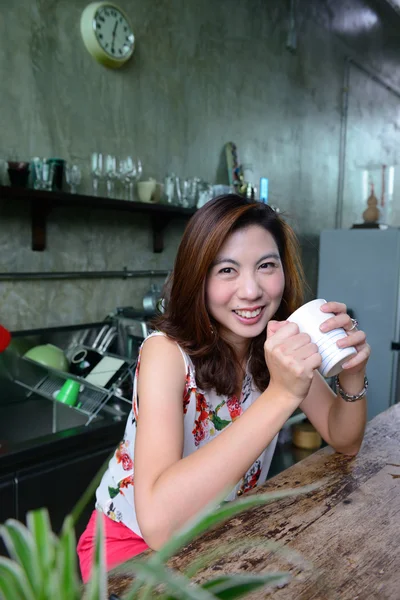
pixel 46 381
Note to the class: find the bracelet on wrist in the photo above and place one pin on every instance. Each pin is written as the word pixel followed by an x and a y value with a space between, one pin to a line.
pixel 350 397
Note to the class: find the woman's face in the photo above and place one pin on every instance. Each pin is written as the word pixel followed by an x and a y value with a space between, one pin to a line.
pixel 245 284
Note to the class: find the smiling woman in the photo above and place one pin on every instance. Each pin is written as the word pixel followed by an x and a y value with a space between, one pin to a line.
pixel 240 248
pixel 218 378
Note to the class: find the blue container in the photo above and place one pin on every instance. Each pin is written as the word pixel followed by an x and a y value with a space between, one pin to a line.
pixel 264 190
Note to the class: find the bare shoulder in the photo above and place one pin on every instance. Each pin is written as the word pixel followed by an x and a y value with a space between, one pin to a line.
pixel 162 363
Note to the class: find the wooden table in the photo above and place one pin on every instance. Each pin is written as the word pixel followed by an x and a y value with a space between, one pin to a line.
pixel 349 529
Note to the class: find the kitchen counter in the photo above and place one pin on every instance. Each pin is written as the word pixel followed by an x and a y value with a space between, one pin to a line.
pixel 348 530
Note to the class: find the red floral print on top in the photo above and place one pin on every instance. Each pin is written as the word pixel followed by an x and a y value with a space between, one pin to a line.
pixel 123 457
pixel 234 407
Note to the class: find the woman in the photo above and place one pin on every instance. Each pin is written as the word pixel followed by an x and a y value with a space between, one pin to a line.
pixel 218 379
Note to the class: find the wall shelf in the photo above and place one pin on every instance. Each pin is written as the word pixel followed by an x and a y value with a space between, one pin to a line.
pixel 42 202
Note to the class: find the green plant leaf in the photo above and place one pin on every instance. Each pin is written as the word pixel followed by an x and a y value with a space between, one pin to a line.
pixel 13 573
pixel 90 491
pixel 224 550
pixel 53 588
pixel 212 516
pixel 229 587
pixel 176 584
pixel 8 587
pixel 67 562
pixel 21 547
pixel 38 522
pixel 97 587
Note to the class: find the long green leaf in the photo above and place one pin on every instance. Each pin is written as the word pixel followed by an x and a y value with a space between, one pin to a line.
pixel 224 550
pixel 97 587
pixel 15 573
pixel 67 562
pixel 175 583
pixel 38 522
pixel 229 587
pixel 53 586
pixel 8 587
pixel 135 588
pixel 21 547
pixel 212 516
pixel 89 491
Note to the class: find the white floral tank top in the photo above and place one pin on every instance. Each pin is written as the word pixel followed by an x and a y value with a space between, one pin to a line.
pixel 205 415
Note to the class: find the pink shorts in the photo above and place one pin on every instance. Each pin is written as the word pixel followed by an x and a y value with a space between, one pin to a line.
pixel 121 544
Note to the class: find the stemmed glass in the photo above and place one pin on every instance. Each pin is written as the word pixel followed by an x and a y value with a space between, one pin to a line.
pixel 130 176
pixel 111 174
pixel 139 169
pixel 127 173
pixel 73 176
pixel 97 171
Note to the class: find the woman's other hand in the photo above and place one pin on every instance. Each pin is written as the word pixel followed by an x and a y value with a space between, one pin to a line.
pixel 291 358
pixel 355 337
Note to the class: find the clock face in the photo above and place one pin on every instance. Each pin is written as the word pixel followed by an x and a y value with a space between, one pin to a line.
pixel 113 32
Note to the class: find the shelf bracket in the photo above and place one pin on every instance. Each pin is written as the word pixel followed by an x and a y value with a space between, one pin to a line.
pixel 39 211
pixel 158 224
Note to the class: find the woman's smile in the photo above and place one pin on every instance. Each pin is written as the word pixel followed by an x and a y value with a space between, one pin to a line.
pixel 249 316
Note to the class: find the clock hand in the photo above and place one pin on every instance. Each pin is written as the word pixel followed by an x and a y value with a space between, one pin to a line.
pixel 113 35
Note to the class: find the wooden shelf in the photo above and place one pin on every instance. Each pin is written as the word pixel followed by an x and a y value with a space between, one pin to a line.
pixel 42 202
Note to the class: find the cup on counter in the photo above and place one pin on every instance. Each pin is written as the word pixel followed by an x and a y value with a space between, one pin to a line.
pixel 309 317
pixel 69 392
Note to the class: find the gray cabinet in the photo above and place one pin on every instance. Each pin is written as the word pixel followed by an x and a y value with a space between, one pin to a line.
pixel 361 267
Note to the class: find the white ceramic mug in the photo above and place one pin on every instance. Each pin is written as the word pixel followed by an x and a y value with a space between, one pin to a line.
pixel 309 317
pixel 149 191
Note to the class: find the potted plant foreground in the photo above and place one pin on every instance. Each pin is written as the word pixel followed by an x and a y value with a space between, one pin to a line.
pixel 43 566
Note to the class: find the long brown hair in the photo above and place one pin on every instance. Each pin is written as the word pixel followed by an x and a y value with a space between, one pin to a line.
pixel 186 319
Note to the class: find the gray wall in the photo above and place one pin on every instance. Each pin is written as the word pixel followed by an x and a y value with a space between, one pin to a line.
pixel 203 73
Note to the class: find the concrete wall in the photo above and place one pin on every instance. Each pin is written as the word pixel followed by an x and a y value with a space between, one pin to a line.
pixel 203 73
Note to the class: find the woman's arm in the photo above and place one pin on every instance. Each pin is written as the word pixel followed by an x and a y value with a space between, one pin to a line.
pixel 169 489
pixel 341 423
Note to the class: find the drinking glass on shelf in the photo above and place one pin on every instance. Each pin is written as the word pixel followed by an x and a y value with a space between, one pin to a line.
pixel 44 173
pixel 139 169
pixel 127 174
pixel 169 188
pixel 110 174
pixel 73 176
pixel 121 170
pixel 182 188
pixel 193 192
pixel 97 171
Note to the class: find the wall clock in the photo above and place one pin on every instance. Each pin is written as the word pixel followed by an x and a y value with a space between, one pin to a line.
pixel 107 34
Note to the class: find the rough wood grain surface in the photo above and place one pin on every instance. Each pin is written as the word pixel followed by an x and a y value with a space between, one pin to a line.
pixel 347 532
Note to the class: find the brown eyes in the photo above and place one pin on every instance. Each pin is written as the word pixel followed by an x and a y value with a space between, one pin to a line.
pixel 263 266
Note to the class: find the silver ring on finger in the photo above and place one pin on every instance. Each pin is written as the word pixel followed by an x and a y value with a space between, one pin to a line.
pixel 354 324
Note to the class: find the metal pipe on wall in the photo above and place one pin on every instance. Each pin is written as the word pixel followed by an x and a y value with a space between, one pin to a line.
pixel 124 274
pixel 342 143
